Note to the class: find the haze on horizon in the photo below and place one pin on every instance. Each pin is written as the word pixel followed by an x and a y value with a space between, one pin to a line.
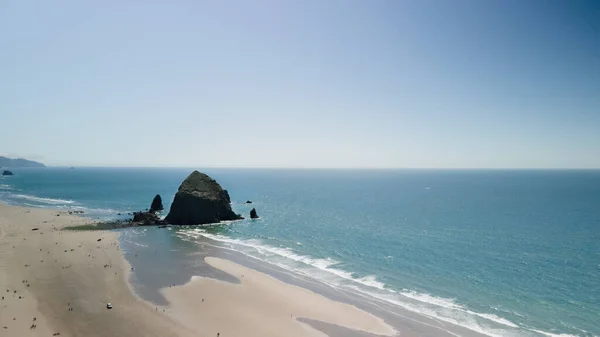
pixel 340 83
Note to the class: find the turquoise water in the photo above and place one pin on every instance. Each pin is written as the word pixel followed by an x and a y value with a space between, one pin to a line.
pixel 499 252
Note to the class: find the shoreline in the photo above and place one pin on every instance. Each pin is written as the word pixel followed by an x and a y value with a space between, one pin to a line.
pixel 356 267
pixel 65 278
pixel 187 264
pixel 88 274
pixel 280 306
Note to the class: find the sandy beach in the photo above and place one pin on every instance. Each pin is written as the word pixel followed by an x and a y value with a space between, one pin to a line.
pixel 58 282
pixel 262 304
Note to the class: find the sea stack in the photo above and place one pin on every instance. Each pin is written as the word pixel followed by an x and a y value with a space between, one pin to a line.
pixel 156 204
pixel 7 173
pixel 226 196
pixel 200 200
pixel 253 214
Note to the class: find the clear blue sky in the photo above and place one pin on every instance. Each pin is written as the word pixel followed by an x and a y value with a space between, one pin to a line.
pixel 306 83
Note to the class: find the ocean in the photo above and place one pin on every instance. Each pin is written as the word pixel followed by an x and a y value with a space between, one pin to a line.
pixel 498 252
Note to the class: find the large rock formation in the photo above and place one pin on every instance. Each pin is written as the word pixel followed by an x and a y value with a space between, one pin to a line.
pixel 226 196
pixel 200 200
pixel 7 173
pixel 253 214
pixel 156 204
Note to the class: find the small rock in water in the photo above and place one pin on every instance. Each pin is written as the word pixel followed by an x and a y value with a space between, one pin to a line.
pixel 156 204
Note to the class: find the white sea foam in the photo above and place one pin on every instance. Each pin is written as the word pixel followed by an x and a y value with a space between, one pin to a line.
pixel 495 318
pixel 323 269
pixel 456 317
pixel 426 298
pixel 49 201
pixel 447 303
pixel 320 264
pixel 553 334
pixel 451 304
pixel 62 204
pixel 371 281
pixel 268 251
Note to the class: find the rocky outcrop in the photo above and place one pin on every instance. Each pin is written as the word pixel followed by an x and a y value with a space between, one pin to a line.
pixel 19 162
pixel 200 200
pixel 248 202
pixel 146 219
pixel 7 173
pixel 253 214
pixel 226 196
pixel 156 204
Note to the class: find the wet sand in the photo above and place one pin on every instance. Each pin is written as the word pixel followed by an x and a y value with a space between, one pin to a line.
pixel 261 305
pixel 176 259
pixel 57 281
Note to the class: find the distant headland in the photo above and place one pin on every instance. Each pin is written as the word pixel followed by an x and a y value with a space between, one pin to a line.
pixel 19 162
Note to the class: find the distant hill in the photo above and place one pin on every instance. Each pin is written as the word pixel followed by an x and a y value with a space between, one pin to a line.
pixel 19 162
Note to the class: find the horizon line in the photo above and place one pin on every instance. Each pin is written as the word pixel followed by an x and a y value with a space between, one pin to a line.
pixel 334 168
